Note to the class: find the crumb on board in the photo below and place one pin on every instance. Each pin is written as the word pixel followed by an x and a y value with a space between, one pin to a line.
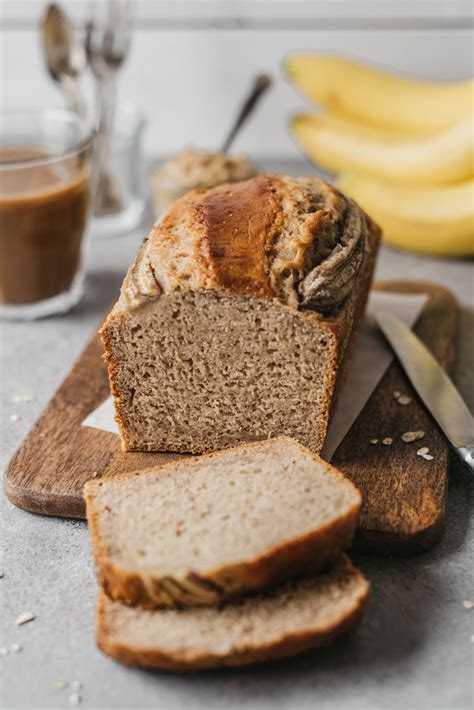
pixel 16 647
pixel 76 685
pixel 396 394
pixel 410 436
pixel 3 651
pixel 468 604
pixel 14 417
pixel 387 441
pixel 423 451
pixel 60 684
pixel 404 400
pixel 23 398
pixel 25 618
pixel 374 441
pixel 74 699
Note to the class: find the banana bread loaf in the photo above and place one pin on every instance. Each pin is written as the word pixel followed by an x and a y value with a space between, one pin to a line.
pixel 235 320
pixel 209 528
pixel 278 623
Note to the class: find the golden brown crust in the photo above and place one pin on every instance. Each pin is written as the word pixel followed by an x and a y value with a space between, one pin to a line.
pixel 297 240
pixel 237 236
pixel 303 554
pixel 120 413
pixel 346 324
pixel 286 646
pixel 210 259
pixel 310 553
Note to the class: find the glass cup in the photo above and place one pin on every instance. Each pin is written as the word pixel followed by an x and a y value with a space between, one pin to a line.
pixel 122 209
pixel 45 205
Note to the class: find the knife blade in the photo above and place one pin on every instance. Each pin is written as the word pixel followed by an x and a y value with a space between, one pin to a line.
pixel 433 386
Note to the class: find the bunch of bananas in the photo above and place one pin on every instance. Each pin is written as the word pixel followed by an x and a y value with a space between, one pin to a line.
pixel 403 149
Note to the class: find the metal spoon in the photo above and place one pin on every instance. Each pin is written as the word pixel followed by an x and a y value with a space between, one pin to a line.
pixel 259 87
pixel 107 44
pixel 65 55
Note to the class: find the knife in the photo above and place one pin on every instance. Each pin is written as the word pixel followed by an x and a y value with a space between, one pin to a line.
pixel 433 385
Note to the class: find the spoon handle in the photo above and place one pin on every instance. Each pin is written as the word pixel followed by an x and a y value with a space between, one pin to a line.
pixel 73 93
pixel 107 198
pixel 260 86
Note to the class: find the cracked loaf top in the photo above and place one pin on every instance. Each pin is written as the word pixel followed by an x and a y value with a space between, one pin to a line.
pixel 297 240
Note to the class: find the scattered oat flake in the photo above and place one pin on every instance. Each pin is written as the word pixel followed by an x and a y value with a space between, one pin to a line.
pixel 74 699
pixel 472 638
pixel 387 441
pixel 410 436
pixel 421 452
pixel 467 604
pixel 428 457
pixel 374 441
pixel 16 647
pixel 397 394
pixel 24 618
pixel 23 398
pixel 76 685
pixel 3 651
pixel 60 684
pixel 14 417
pixel 404 400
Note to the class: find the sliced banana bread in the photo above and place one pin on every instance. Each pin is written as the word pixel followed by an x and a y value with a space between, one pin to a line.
pixel 234 321
pixel 281 622
pixel 210 528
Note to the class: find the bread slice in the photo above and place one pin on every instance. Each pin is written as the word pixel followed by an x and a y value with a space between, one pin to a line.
pixel 282 622
pixel 235 321
pixel 210 528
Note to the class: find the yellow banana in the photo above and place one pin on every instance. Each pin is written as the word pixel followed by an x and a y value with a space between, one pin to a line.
pixel 434 220
pixel 379 97
pixel 344 121
pixel 443 158
pixel 339 122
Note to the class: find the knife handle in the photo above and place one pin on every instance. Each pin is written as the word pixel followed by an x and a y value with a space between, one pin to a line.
pixel 466 455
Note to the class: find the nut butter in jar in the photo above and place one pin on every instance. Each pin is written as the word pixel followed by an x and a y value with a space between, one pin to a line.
pixel 45 204
pixel 193 168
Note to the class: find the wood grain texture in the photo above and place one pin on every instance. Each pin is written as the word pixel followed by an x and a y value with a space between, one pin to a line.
pixel 404 495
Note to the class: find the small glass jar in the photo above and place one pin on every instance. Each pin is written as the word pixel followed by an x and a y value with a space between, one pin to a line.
pixel 195 168
pixel 123 210
pixel 45 205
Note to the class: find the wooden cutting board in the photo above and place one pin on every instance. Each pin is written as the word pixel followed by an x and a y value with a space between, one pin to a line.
pixel 404 495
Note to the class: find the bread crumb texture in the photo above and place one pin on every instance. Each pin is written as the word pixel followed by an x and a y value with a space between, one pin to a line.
pixel 295 616
pixel 202 370
pixel 235 318
pixel 233 506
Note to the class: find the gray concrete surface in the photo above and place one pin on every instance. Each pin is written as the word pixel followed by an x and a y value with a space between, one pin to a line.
pixel 413 650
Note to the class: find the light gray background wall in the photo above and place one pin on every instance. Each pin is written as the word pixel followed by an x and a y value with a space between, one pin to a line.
pixel 191 61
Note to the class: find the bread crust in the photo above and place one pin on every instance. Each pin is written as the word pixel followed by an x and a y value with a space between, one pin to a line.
pixel 287 645
pixel 222 214
pixel 303 554
pixel 272 236
pixel 225 251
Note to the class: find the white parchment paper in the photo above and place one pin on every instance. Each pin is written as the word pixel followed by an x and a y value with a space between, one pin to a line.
pixel 370 360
